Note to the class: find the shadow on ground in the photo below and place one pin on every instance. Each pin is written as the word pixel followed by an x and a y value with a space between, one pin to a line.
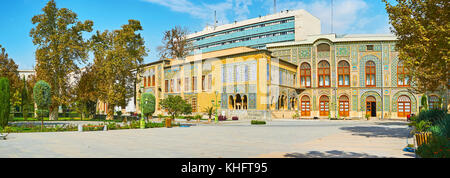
pixel 392 123
pixel 330 154
pixel 376 131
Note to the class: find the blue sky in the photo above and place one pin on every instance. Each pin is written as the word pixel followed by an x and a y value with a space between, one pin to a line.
pixel 156 16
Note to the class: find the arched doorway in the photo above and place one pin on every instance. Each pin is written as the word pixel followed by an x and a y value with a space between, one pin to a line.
pixel 305 107
pixel 231 102
pixel 238 102
pixel 245 102
pixel 324 105
pixel 404 106
pixel 344 106
pixel 371 106
pixel 282 103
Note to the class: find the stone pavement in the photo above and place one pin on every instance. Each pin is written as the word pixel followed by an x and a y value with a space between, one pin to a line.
pixel 279 138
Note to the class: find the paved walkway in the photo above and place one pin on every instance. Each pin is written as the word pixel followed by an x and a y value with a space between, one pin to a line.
pixel 287 138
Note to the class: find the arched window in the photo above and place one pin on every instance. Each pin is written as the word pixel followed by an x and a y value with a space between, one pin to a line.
pixel 343 74
pixel 323 47
pixel 344 106
pixel 305 107
pixel 305 75
pixel 324 74
pixel 433 102
pixel 324 105
pixel 370 74
pixel 404 106
pixel 402 78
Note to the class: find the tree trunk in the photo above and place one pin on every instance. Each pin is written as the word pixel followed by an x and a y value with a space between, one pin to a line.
pixel 53 114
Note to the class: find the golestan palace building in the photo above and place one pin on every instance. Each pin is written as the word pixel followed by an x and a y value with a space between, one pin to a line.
pixel 279 65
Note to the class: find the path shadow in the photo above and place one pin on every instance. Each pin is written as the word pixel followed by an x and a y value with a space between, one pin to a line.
pixel 330 154
pixel 392 123
pixel 375 131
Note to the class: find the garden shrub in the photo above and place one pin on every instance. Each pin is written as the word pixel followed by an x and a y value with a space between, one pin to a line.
pixel 433 115
pixel 257 122
pixel 438 147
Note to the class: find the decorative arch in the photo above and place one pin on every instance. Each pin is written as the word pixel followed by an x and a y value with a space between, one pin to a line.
pixel 367 94
pixel 362 70
pixel 410 95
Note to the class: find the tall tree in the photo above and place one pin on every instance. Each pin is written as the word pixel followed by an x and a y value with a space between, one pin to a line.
pixel 86 92
pixel 8 69
pixel 422 28
pixel 118 54
pixel 175 44
pixel 25 99
pixel 60 45
pixel 5 104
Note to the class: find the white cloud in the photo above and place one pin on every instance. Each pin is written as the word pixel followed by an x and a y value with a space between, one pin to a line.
pixel 238 9
pixel 350 16
pixel 345 15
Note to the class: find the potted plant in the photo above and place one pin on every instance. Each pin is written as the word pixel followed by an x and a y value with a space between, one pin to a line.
pixel 421 132
pixel 198 117
pixel 367 116
pixel 296 115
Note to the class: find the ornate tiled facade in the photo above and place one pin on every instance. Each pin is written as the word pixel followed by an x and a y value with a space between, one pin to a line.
pixel 252 83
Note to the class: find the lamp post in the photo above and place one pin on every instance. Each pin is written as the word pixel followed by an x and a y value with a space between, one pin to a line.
pixel 216 119
pixel 142 122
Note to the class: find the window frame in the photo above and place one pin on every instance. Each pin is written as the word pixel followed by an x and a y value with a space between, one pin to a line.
pixel 345 73
pixel 370 75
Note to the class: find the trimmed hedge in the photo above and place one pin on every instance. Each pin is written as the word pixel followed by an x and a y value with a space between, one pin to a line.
pixel 257 122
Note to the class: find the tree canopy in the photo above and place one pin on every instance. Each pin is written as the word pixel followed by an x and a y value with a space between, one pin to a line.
pixel 175 106
pixel 85 92
pixel 175 44
pixel 422 28
pixel 118 55
pixel 60 45
pixel 9 69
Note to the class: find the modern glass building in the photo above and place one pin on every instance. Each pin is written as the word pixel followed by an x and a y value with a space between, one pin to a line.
pixel 257 32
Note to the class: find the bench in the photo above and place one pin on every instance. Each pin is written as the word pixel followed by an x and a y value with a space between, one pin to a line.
pixel 80 127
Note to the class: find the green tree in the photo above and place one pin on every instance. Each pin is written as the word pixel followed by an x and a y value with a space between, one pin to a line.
pixel 5 104
pixel 422 28
pixel 86 93
pixel 175 44
pixel 147 103
pixel 42 94
pixel 60 45
pixel 118 55
pixel 8 69
pixel 175 106
pixel 25 99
